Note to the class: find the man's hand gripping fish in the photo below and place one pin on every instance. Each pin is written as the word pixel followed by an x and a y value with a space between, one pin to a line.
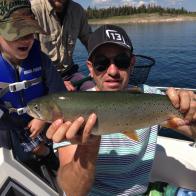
pixel 116 112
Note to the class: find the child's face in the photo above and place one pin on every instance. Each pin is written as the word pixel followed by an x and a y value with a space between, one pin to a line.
pixel 17 50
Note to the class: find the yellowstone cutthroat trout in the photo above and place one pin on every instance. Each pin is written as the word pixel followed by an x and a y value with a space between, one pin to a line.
pixel 116 111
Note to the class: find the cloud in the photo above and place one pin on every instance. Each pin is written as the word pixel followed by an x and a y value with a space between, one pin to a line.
pixel 133 3
pixel 101 1
pixel 175 1
pixel 109 3
pixel 151 2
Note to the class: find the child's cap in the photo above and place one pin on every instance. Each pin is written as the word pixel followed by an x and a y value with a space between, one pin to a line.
pixel 17 19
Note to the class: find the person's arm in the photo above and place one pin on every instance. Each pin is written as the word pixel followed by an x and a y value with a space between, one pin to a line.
pixel 77 162
pixel 85 29
pixel 185 101
pixel 80 170
pixel 36 9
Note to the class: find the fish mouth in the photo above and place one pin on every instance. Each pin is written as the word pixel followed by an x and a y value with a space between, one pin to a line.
pixel 33 113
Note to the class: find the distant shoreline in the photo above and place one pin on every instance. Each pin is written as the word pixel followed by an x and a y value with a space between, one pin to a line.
pixel 143 18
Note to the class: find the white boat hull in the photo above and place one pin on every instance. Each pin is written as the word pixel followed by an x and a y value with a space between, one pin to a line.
pixel 175 163
pixel 15 178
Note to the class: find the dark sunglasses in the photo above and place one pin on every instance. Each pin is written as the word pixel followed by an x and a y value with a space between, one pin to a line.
pixel 122 61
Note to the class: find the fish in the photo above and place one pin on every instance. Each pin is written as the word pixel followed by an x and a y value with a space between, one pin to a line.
pixel 117 112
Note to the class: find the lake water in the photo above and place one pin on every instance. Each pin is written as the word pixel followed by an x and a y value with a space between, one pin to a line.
pixel 172 45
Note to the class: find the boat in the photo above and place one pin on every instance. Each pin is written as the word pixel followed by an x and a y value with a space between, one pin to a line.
pixel 18 180
pixel 174 164
pixel 170 165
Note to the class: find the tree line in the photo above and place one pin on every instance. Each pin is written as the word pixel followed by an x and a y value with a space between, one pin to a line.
pixel 94 13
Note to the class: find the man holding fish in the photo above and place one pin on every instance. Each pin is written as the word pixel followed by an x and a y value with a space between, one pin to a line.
pixel 112 164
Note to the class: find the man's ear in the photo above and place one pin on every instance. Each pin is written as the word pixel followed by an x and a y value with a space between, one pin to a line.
pixel 90 67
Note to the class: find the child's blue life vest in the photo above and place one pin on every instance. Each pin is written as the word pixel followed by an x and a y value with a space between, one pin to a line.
pixel 21 85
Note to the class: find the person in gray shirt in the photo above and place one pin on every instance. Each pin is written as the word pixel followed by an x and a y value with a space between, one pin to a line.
pixel 65 21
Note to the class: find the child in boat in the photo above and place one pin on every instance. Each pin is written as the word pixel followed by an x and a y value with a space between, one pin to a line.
pixel 26 73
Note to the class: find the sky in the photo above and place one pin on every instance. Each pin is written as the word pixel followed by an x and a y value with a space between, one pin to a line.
pixel 189 5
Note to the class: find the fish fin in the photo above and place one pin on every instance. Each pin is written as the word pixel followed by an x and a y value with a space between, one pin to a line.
pixel 171 123
pixel 188 129
pixel 135 89
pixel 132 135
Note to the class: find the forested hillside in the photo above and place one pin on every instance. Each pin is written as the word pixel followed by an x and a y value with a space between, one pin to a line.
pixel 95 13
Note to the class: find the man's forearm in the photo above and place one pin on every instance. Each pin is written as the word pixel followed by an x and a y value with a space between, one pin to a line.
pixel 77 177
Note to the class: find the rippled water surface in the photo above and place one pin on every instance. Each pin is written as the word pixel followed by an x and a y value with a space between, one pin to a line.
pixel 173 45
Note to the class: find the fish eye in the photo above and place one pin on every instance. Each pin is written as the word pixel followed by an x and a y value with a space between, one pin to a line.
pixel 36 107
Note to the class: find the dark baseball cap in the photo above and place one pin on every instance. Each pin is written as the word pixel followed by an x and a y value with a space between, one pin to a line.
pixel 108 34
pixel 17 19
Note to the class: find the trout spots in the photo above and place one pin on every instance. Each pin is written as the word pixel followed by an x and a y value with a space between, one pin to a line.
pixel 118 124
pixel 161 111
pixel 113 107
pixel 115 110
pixel 56 114
pixel 96 108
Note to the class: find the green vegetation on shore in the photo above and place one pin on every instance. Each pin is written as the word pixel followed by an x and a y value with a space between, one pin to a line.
pixel 131 10
pixel 144 18
pixel 142 14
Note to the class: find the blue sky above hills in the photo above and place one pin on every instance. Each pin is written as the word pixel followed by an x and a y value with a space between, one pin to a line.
pixel 189 5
